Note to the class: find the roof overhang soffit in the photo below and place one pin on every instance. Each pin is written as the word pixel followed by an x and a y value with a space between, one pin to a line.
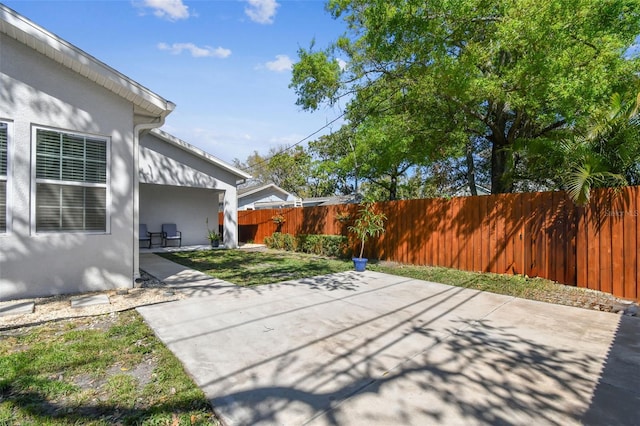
pixel 148 106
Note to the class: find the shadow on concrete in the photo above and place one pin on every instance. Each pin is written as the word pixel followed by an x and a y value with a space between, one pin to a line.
pixel 411 369
pixel 487 373
pixel 616 399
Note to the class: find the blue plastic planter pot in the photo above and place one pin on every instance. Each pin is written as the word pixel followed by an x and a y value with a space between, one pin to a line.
pixel 360 263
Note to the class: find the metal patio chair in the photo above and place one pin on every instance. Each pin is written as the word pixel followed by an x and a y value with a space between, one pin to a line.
pixel 144 235
pixel 170 233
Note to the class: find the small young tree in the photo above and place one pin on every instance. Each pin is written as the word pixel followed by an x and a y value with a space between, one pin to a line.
pixel 368 224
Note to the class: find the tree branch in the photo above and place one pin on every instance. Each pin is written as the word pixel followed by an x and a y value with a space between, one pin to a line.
pixel 550 127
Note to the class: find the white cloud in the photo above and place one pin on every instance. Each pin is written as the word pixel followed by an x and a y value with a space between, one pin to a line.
pixel 342 64
pixel 196 52
pixel 168 9
pixel 280 64
pixel 261 11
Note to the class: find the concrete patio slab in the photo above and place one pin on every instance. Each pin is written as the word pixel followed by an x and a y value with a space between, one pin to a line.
pixel 375 349
pixel 89 300
pixel 16 308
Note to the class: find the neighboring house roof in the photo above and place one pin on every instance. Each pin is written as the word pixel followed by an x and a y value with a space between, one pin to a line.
pixel 464 191
pixel 146 103
pixel 245 192
pixel 330 201
pixel 269 196
pixel 179 143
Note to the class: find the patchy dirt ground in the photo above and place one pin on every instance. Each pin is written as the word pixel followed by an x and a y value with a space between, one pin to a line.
pixel 138 383
pixel 59 307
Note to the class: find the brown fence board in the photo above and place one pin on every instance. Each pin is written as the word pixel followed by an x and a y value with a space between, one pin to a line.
pixel 593 248
pixel 452 217
pixel 476 229
pixel 519 261
pixel 630 254
pixel 605 249
pixel 422 237
pixel 466 239
pixel 433 252
pixel 582 254
pixel 538 234
pixel 498 237
pixel 617 245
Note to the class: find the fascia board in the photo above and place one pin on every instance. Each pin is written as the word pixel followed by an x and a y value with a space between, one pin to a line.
pixel 32 35
pixel 179 143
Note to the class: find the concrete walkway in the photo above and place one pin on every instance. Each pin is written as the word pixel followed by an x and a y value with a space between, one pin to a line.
pixel 376 349
pixel 182 279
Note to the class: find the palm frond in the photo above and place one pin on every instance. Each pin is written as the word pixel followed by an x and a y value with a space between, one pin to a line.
pixel 584 177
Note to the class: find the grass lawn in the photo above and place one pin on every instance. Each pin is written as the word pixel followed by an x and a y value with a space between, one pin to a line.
pixel 270 266
pixel 102 370
pixel 248 268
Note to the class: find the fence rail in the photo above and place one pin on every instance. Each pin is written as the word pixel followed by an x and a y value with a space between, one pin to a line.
pixel 538 234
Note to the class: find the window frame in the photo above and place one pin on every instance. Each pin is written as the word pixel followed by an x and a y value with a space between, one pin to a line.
pixel 83 184
pixel 7 179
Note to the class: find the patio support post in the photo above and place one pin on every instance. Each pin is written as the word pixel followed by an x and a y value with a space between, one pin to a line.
pixel 230 212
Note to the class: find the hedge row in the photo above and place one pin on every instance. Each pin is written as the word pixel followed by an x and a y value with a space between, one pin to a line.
pixel 323 245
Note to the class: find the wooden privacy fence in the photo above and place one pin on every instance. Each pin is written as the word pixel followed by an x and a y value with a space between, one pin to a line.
pixel 538 234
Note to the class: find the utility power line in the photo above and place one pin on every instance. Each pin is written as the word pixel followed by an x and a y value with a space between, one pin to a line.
pixel 246 169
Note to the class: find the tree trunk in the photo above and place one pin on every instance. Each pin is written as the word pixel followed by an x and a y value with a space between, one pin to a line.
pixel 471 170
pixel 501 180
pixel 393 188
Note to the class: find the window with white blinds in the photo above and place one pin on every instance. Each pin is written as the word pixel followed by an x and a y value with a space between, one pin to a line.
pixel 4 150
pixel 71 182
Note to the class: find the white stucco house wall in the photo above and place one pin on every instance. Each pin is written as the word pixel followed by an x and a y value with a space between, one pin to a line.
pixel 269 196
pixel 77 160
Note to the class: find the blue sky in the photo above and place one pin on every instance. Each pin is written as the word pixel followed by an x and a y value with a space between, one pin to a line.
pixel 225 64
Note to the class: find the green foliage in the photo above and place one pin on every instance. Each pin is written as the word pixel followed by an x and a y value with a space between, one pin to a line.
pixel 292 169
pixel 212 236
pixel 427 80
pixel 605 153
pixel 316 78
pixel 590 174
pixel 323 245
pixel 337 160
pixel 281 241
pixel 369 223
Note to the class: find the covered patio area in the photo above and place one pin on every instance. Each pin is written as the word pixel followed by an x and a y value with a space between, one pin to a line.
pixel 183 185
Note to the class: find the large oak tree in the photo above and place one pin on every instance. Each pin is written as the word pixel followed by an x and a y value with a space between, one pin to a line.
pixel 506 72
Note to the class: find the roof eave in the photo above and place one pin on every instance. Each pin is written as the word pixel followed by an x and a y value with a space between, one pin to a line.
pixel 262 188
pixel 30 34
pixel 185 146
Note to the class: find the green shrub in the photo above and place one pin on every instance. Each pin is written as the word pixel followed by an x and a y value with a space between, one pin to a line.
pixel 280 241
pixel 310 244
pixel 274 241
pixel 323 245
pixel 289 242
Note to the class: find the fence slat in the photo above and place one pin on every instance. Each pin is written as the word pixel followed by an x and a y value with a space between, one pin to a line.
pixel 606 243
pixel 593 247
pixel 630 256
pixel 617 244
